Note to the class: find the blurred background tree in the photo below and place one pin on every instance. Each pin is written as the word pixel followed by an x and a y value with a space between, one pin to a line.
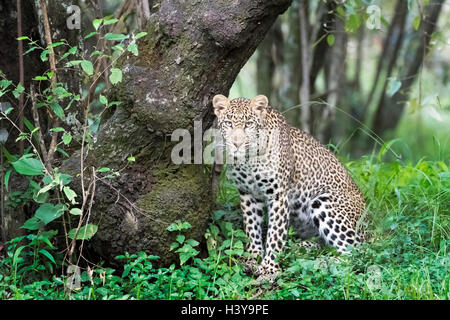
pixel 359 71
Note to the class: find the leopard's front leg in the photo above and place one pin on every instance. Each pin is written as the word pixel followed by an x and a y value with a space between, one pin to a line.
pixel 276 235
pixel 252 209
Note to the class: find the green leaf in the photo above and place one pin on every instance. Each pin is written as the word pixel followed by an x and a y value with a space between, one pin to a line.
pixel 181 238
pixel 48 255
pixel 103 100
pixel 95 53
pixel 66 138
pixel 33 224
pixel 87 67
pixel 140 35
pixel 40 78
pixel 131 159
pixel 96 23
pixel 90 35
pixel 28 166
pixel 115 36
pixel 23 38
pixel 101 170
pixel 85 233
pixel 15 259
pixel 48 212
pixel 73 63
pixel 44 55
pixel 7 175
pixel 416 23
pixel 75 211
pixel 330 39
pixel 5 83
pixel 70 194
pixel 58 129
pixel 58 110
pixel 174 245
pixel 133 48
pixel 18 91
pixel 72 50
pixel 116 76
pixel 192 242
pixel 110 21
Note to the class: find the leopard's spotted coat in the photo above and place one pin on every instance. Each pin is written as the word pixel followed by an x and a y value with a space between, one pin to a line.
pixel 299 180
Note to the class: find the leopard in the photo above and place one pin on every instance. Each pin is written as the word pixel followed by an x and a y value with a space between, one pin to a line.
pixel 284 171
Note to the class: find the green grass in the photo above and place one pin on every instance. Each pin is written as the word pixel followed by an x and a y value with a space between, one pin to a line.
pixel 406 256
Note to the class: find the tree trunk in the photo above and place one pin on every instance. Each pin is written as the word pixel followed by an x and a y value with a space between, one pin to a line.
pixel 193 50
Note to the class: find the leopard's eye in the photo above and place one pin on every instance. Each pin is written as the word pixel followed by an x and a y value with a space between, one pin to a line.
pixel 228 124
pixel 250 124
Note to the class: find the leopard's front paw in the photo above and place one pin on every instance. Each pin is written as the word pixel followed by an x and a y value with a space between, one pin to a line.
pixel 250 264
pixel 267 272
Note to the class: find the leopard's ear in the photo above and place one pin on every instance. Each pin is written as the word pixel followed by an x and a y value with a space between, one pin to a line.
pixel 259 104
pixel 220 103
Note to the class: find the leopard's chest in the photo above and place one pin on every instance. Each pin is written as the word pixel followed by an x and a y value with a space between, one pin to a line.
pixel 258 179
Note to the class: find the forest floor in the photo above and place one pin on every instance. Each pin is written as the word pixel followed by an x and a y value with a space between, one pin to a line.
pixel 406 256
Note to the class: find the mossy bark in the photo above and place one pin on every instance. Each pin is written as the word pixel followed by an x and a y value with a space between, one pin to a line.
pixel 193 50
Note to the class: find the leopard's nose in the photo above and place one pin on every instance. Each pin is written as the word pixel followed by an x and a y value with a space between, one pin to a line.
pixel 237 142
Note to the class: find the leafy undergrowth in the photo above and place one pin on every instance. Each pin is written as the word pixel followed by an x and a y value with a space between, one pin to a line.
pixel 405 257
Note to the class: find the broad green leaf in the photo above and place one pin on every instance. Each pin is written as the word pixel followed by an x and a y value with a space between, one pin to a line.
pixel 33 224
pixel 58 129
pixel 140 35
pixel 72 50
pixel 75 211
pixel 87 67
pixel 58 110
pixel 110 21
pixel 103 100
pixel 192 242
pixel 96 23
pixel 116 76
pixel 48 255
pixel 133 48
pixel 90 35
pixel 115 36
pixel 101 170
pixel 66 138
pixel 48 212
pixel 180 238
pixel 85 233
pixel 18 91
pixel 40 78
pixel 28 166
pixel 70 194
pixel 73 63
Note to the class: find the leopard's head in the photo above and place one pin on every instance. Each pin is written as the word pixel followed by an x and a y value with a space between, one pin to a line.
pixel 240 121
